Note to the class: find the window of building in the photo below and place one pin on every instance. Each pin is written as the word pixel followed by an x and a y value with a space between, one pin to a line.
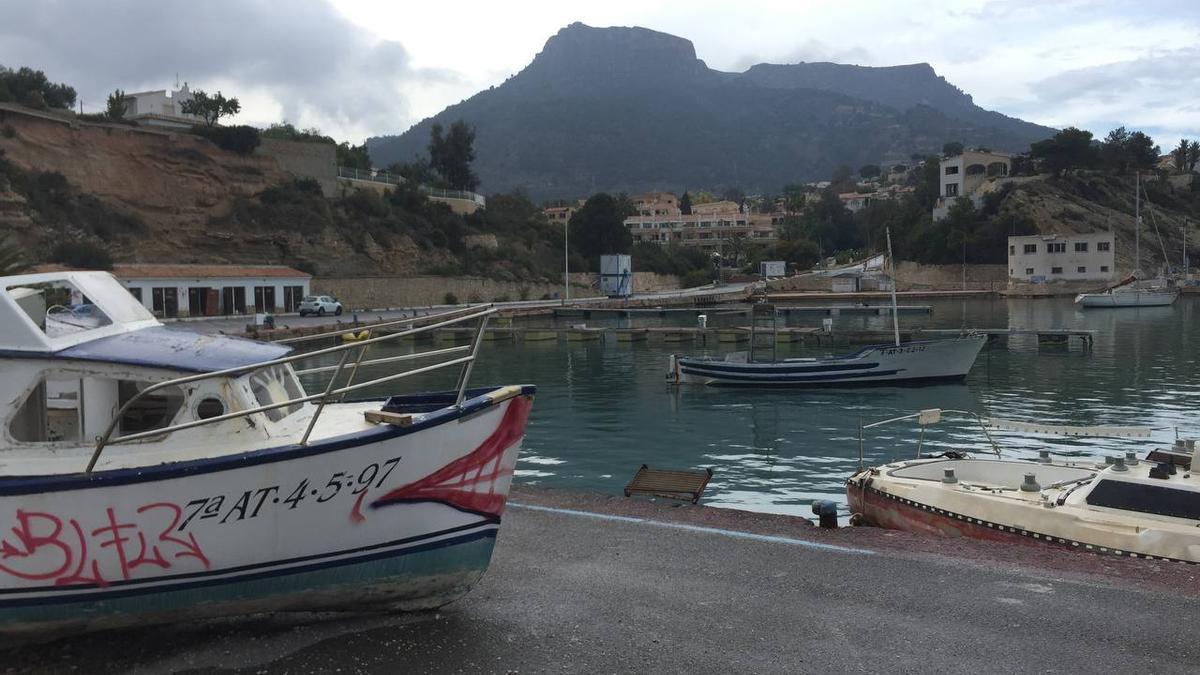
pixel 1030 248
pixel 1029 270
pixel 1103 245
pixel 1012 250
pixel 1081 247
pixel 1055 270
pixel 951 170
pixel 1056 247
pixel 1081 269
pixel 951 189
pixel 1104 268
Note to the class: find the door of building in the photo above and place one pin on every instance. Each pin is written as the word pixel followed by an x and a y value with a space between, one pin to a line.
pixel 264 298
pixel 292 295
pixel 233 300
pixel 165 302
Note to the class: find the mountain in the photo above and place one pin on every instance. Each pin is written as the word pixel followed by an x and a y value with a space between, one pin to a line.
pixel 634 109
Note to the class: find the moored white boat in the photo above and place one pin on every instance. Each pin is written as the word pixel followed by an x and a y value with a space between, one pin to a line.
pixel 1130 293
pixel 1147 508
pixel 177 475
pixel 920 360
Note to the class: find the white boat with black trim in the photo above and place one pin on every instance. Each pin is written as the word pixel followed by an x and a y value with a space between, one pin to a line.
pixel 151 474
pixel 1139 507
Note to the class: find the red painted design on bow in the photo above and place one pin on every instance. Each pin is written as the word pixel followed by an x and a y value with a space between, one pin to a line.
pixel 459 482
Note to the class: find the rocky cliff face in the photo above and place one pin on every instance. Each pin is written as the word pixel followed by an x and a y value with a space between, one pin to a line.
pixel 151 196
pixel 634 109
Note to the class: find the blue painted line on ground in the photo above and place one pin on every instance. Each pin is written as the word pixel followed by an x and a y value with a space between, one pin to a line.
pixel 767 538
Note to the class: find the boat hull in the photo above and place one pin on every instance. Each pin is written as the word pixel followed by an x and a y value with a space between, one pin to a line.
pixel 924 360
pixel 1128 299
pixel 392 518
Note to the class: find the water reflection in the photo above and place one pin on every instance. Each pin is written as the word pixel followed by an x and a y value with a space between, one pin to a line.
pixel 603 408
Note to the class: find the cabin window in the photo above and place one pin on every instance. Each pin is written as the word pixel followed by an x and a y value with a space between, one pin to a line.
pixel 1155 499
pixel 276 385
pixel 73 409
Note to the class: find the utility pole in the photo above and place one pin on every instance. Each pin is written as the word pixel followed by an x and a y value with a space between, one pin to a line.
pixel 566 261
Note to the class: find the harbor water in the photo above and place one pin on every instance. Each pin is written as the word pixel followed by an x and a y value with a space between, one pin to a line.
pixel 604 407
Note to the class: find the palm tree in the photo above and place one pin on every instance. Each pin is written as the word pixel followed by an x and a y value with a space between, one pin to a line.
pixel 11 259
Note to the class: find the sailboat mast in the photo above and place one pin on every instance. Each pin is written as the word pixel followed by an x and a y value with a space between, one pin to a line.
pixel 1137 222
pixel 895 310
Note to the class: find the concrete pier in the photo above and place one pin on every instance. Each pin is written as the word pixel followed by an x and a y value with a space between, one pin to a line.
pixel 590 583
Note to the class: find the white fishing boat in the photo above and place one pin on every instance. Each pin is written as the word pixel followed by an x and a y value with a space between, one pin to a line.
pixel 1134 291
pixel 899 362
pixel 149 474
pixel 1129 506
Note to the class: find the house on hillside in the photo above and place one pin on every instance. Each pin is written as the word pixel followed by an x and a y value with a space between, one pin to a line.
pixel 968 176
pixel 157 108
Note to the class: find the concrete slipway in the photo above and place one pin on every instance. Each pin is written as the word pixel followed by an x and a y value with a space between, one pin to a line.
pixel 589 583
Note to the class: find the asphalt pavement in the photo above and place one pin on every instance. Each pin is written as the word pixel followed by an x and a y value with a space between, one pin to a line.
pixel 585 583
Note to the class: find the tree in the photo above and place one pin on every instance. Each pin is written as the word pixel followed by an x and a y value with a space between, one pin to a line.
pixel 353 156
pixel 736 244
pixel 26 85
pixel 841 174
pixel 116 106
pixel 1069 149
pixel 451 155
pixel 210 108
pixel 685 204
pixel 598 228
pixel 869 170
pixel 952 148
pixel 1193 157
pixel 1142 152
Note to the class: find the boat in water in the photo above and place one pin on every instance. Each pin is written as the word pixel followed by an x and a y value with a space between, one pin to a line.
pixel 1128 506
pixel 900 362
pixel 914 361
pixel 1134 291
pixel 151 474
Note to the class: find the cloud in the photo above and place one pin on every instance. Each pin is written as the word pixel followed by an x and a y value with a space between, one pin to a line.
pixel 298 60
pixel 1156 91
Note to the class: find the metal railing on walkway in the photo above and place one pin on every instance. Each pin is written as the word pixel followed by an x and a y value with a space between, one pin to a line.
pixel 375 176
pixel 331 391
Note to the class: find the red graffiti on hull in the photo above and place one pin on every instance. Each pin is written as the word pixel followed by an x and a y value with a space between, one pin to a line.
pixel 469 482
pixel 44 547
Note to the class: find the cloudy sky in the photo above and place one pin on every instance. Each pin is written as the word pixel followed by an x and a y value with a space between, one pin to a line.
pixel 356 68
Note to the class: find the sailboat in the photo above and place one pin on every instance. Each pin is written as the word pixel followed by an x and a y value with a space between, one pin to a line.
pixel 1133 291
pixel 900 362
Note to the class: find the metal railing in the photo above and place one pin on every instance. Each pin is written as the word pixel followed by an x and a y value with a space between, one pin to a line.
pixel 440 320
pixel 375 176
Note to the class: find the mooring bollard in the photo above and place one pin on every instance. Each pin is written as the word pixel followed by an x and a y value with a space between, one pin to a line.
pixel 826 513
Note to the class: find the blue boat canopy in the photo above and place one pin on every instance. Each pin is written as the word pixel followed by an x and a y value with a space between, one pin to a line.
pixel 162 347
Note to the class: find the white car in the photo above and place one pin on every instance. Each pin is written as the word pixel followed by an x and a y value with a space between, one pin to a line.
pixel 320 305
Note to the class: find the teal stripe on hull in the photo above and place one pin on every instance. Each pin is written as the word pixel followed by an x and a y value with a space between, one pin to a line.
pixel 411 579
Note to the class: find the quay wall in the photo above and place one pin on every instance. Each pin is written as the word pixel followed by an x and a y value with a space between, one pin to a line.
pixel 914 276
pixel 380 292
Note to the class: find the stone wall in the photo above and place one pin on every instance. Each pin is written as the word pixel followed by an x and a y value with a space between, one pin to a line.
pixel 385 292
pixel 304 160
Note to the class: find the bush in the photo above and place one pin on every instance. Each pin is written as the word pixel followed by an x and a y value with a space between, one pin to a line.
pixel 524 292
pixel 241 139
pixel 449 299
pixel 82 254
pixel 695 278
pixel 8 131
pixel 502 298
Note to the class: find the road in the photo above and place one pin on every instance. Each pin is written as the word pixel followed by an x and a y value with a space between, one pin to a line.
pixel 237 325
pixel 583 583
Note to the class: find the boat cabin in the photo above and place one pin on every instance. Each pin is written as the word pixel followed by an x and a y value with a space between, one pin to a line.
pixel 78 347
